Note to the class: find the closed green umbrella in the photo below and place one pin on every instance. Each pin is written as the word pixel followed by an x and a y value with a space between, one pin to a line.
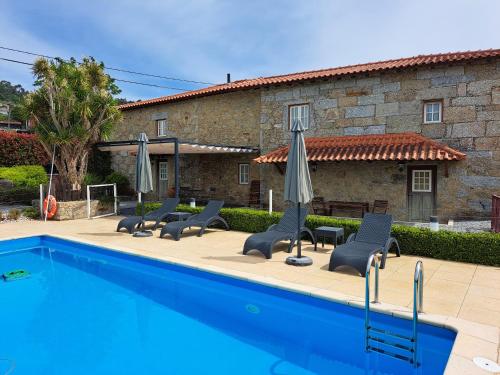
pixel 143 177
pixel 298 188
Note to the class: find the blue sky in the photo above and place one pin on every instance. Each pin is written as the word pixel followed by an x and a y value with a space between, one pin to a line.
pixel 203 40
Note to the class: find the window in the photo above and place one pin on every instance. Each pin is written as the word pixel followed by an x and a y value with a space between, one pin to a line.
pixel 299 112
pixel 432 112
pixel 422 181
pixel 244 175
pixel 163 169
pixel 162 127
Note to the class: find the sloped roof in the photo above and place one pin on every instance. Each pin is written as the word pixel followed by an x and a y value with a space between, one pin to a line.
pixel 398 147
pixel 420 60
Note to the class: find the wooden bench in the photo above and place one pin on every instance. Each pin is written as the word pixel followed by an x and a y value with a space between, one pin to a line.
pixel 348 209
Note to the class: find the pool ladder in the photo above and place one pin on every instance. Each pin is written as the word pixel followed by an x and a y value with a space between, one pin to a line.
pixel 398 346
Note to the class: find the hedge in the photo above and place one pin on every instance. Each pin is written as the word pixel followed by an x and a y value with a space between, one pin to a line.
pixel 21 149
pixel 24 175
pixel 480 248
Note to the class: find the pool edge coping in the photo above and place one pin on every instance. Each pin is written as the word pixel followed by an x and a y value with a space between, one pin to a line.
pixel 467 337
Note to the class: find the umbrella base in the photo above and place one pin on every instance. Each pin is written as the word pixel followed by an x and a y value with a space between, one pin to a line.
pixel 296 261
pixel 143 233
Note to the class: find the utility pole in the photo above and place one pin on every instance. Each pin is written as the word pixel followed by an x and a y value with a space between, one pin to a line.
pixel 8 116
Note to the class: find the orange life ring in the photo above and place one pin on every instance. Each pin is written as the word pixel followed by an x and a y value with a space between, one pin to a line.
pixel 50 206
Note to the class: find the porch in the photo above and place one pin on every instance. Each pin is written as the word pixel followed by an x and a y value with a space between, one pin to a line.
pixel 191 170
pixel 417 176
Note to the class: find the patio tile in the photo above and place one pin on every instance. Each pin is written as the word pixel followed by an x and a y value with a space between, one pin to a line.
pixel 489 292
pixel 442 307
pixel 468 346
pixel 480 315
pixel 486 332
pixel 461 365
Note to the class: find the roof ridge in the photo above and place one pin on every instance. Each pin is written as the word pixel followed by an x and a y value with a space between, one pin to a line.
pixel 405 62
pixel 371 63
pixel 364 147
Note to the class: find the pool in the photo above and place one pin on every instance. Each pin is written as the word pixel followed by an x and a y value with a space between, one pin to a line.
pixel 89 310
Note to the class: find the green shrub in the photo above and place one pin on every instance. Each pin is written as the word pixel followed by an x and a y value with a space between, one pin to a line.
pixel 31 212
pixel 24 175
pixel 13 214
pixel 121 181
pixel 481 248
pixel 19 195
pixel 92 179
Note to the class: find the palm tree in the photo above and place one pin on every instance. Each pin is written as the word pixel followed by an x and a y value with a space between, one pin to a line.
pixel 72 108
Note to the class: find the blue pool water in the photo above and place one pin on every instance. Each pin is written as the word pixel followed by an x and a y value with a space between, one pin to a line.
pixel 87 310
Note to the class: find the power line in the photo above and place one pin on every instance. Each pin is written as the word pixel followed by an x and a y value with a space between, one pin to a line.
pixel 116 79
pixel 116 69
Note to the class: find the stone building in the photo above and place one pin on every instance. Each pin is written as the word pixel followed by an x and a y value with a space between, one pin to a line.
pixel 421 132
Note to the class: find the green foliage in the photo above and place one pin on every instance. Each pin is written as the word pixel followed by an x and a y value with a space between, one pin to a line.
pixel 31 212
pixel 92 179
pixel 22 195
pixel 30 176
pixel 73 108
pixel 100 163
pixel 10 93
pixel 121 181
pixel 14 214
pixel 480 248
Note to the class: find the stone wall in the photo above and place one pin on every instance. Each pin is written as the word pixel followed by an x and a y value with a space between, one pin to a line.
pixel 73 209
pixel 229 119
pixel 392 103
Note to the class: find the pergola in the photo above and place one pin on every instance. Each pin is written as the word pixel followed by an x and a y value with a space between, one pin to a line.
pixel 175 147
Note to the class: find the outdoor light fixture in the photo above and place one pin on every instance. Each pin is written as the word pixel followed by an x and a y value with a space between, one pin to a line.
pixel 401 167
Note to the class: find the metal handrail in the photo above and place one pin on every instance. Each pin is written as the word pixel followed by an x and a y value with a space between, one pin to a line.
pixel 371 259
pixel 418 296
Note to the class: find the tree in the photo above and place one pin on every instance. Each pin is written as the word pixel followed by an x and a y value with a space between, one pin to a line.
pixel 10 93
pixel 10 97
pixel 72 109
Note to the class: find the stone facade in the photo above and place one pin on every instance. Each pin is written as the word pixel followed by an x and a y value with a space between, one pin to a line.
pixel 386 102
pixel 393 102
pixel 73 210
pixel 229 119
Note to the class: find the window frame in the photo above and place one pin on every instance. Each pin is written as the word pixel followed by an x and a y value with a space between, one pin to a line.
pixel 160 164
pixel 158 127
pixel 308 114
pixel 413 173
pixel 240 165
pixel 424 111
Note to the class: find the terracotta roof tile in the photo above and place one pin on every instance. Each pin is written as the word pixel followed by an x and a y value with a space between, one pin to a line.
pixel 399 147
pixel 421 60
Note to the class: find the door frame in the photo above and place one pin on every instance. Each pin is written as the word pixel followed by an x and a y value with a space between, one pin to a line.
pixel 159 161
pixel 409 183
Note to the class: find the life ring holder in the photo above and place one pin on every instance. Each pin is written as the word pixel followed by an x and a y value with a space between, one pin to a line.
pixel 50 206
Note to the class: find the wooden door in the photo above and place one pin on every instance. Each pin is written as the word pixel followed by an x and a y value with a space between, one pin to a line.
pixel 162 179
pixel 421 189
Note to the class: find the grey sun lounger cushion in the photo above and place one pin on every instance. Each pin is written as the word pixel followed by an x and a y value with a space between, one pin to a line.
pixel 285 230
pixel 374 236
pixel 207 217
pixel 132 223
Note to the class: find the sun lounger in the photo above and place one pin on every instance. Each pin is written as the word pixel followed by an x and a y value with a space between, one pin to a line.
pixel 209 216
pixel 285 230
pixel 374 236
pixel 132 223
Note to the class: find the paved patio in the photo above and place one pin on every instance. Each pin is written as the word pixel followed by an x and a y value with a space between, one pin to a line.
pixel 453 290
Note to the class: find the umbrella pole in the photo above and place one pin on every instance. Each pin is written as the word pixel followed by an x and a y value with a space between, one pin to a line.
pixel 142 214
pixel 299 244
